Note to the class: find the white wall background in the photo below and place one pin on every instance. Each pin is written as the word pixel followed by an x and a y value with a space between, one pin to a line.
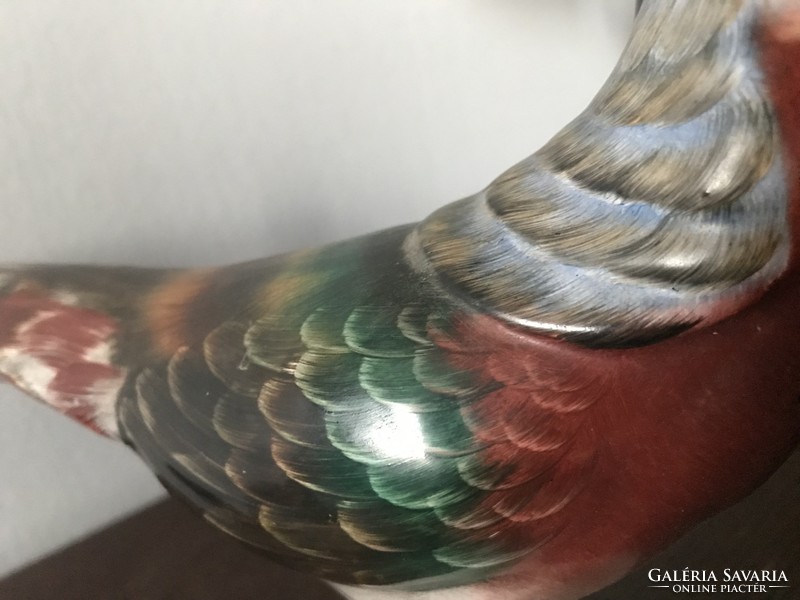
pixel 210 131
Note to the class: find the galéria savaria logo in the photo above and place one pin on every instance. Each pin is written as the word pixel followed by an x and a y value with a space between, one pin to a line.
pixel 727 581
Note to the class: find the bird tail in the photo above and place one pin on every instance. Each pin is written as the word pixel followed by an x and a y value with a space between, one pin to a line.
pixel 67 334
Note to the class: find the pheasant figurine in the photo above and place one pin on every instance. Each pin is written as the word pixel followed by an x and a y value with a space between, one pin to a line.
pixel 521 397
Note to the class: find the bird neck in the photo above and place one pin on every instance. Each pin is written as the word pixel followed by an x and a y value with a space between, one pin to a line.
pixel 661 208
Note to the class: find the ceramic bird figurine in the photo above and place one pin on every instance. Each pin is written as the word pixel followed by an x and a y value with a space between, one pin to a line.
pixel 522 396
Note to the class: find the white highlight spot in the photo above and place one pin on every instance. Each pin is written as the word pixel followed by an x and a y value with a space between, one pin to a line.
pixel 398 435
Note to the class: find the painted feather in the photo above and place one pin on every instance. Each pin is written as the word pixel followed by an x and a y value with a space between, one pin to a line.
pixel 528 392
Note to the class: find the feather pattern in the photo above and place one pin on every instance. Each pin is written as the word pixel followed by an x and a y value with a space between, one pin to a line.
pixel 661 207
pixel 386 434
pixel 482 394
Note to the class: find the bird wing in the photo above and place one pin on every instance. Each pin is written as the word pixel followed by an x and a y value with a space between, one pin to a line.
pixel 350 423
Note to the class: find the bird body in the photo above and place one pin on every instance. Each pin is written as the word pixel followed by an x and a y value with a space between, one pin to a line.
pixel 527 393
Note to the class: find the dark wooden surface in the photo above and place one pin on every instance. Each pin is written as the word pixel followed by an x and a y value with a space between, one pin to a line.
pixel 164 552
pixel 167 552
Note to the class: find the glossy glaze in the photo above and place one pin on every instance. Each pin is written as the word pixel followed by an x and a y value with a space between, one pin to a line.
pixel 431 405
